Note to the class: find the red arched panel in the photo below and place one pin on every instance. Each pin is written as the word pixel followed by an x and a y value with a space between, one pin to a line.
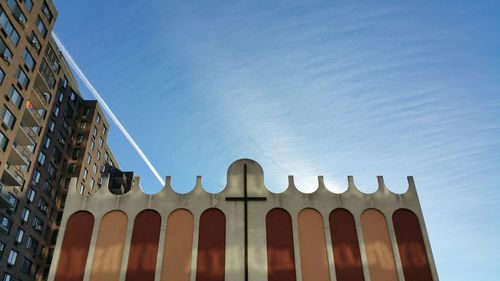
pixel 411 246
pixel 345 244
pixel 144 247
pixel 75 247
pixel 211 246
pixel 280 254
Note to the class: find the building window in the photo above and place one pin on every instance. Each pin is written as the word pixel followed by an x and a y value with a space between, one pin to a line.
pixel 85 173
pixel 64 83
pixel 60 97
pixel 46 11
pixel 98 119
pixel 22 78
pixel 8 28
pixel 76 153
pixel 26 265
pixel 47 187
pixel 5 51
pixel 72 168
pixel 2 249
pixel 35 42
pixel 47 142
pixel 7 277
pixel 79 139
pixel 106 156
pixel 56 111
pixel 72 96
pixel 15 97
pixel 32 244
pixel 8 118
pixel 28 4
pixel 25 215
pixel 38 224
pixel 28 60
pixel 94 168
pixel 98 156
pixel 41 158
pixel 89 159
pixel 16 10
pixel 101 142
pixel 3 142
pixel 31 195
pixel 12 258
pixel 83 125
pixel 52 126
pixel 41 27
pixel 5 224
pixel 82 189
pixel 37 176
pixel 92 183
pixel 19 236
pixel 94 132
pixel 2 76
pixel 51 170
pixel 92 145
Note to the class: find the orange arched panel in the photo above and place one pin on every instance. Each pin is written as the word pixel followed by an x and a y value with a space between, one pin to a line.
pixel 178 246
pixel 345 246
pixel 280 253
pixel 211 246
pixel 109 247
pixel 144 247
pixel 313 255
pixel 378 246
pixel 75 247
pixel 411 246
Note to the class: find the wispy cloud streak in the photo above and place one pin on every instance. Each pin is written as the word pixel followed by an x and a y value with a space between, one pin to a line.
pixel 101 101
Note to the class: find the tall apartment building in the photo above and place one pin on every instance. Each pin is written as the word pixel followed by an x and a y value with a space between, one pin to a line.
pixel 48 134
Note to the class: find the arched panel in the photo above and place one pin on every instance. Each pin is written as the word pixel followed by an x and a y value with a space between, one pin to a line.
pixel 313 254
pixel 211 246
pixel 345 244
pixel 75 247
pixel 378 246
pixel 411 246
pixel 280 253
pixel 144 246
pixel 109 247
pixel 178 246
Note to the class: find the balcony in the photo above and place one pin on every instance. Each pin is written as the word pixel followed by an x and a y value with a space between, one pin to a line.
pixel 19 155
pixel 32 118
pixel 12 176
pixel 39 100
pixel 25 136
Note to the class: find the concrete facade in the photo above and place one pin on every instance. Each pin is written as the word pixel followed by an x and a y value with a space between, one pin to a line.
pixel 198 200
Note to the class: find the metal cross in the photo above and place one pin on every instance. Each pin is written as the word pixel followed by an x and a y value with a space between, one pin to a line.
pixel 245 200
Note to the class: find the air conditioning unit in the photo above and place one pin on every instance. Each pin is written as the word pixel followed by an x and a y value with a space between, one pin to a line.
pixel 6 58
pixel 38 227
pixel 35 43
pixel 22 20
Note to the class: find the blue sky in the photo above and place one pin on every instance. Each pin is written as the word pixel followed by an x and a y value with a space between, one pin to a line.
pixel 309 88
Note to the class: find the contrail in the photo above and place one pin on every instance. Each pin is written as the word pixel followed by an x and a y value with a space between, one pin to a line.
pixel 96 94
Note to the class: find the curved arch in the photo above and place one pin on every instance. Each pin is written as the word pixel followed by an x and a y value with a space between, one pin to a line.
pixel 109 247
pixel 280 252
pixel 313 255
pixel 75 247
pixel 378 246
pixel 211 262
pixel 144 246
pixel 411 246
pixel 345 244
pixel 178 246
